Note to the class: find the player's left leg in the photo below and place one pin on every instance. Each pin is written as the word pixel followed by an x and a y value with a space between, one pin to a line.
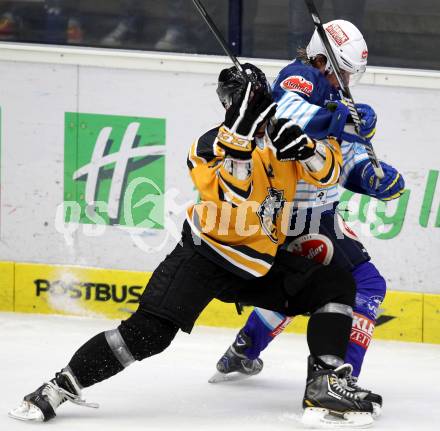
pixel 338 245
pixel 241 359
pixel 263 326
pixel 370 292
pixel 178 291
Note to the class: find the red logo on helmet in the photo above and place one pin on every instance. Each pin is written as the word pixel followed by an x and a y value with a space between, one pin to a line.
pixel 313 246
pixel 364 54
pixel 338 35
pixel 299 84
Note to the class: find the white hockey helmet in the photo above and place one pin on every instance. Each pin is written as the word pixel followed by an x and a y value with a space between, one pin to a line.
pixel 348 45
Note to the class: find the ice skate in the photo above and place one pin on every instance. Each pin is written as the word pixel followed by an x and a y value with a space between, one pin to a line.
pixel 365 394
pixel 40 406
pixel 329 404
pixel 234 364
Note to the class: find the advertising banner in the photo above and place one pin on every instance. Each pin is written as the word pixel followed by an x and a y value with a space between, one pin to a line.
pixel 94 173
pixel 80 291
pixel 93 292
pixel 112 166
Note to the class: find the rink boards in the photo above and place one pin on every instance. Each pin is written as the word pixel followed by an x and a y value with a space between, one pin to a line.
pixel 94 292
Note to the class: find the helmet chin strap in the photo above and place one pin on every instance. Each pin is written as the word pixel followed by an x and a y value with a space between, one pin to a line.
pixel 328 69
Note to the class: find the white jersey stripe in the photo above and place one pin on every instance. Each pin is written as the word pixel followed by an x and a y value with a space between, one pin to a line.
pixel 271 319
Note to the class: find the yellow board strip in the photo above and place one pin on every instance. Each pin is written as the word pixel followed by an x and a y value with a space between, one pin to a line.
pixel 401 317
pixel 77 290
pixel 74 290
pixel 6 286
pixel 224 315
pixel 431 321
pixel 405 313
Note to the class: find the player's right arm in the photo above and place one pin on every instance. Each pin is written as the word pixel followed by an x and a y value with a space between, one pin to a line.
pixel 299 93
pixel 318 162
pixel 221 160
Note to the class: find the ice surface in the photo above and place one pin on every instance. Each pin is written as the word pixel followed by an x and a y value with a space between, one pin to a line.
pixel 170 391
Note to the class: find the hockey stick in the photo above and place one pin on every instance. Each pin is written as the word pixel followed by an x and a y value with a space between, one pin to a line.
pixel 345 90
pixel 218 36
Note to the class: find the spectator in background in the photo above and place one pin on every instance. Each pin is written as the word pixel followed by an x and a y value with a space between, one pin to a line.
pixel 129 28
pixel 47 21
pixel 175 36
pixel 61 23
pixel 187 31
pixel 10 25
pixel 172 25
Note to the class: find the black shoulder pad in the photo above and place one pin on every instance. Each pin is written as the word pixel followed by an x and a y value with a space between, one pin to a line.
pixel 205 144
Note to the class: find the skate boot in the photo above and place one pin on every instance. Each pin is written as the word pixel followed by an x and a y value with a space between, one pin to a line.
pixel 234 364
pixel 328 403
pixel 365 394
pixel 40 405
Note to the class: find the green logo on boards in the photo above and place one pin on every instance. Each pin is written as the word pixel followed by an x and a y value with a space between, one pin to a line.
pixel 386 219
pixel 114 170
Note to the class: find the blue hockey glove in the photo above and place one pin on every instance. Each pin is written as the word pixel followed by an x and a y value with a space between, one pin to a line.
pixel 353 137
pixel 339 118
pixel 368 120
pixel 391 186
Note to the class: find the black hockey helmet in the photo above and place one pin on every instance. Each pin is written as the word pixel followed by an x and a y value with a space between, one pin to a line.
pixel 231 83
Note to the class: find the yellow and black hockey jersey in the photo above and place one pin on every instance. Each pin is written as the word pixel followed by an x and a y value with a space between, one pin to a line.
pixel 242 219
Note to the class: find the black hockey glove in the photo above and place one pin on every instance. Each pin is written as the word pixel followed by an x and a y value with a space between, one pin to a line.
pixel 290 142
pixel 242 119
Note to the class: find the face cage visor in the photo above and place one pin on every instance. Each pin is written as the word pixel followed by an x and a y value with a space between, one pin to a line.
pixel 350 79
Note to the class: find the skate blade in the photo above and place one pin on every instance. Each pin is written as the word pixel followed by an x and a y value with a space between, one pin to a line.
pixel 230 377
pixel 27 412
pixel 315 417
pixel 377 410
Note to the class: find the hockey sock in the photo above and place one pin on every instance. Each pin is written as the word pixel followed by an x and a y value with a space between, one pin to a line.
pixel 262 327
pixel 331 294
pixel 108 353
pixel 94 362
pixel 370 292
pixel 328 332
pixel 147 335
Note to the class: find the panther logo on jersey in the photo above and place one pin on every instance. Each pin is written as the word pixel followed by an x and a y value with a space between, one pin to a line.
pixel 268 212
pixel 298 84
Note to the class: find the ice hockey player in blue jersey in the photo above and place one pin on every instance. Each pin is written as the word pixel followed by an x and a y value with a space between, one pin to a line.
pixel 306 91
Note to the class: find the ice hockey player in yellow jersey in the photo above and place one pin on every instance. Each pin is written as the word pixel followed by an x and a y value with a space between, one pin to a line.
pixel 247 183
pixel 246 172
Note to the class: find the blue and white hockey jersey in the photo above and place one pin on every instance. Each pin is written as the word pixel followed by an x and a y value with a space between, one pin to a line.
pixel 302 93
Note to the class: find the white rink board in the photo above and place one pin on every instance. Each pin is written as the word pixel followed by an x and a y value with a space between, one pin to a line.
pixel 170 391
pixel 37 96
